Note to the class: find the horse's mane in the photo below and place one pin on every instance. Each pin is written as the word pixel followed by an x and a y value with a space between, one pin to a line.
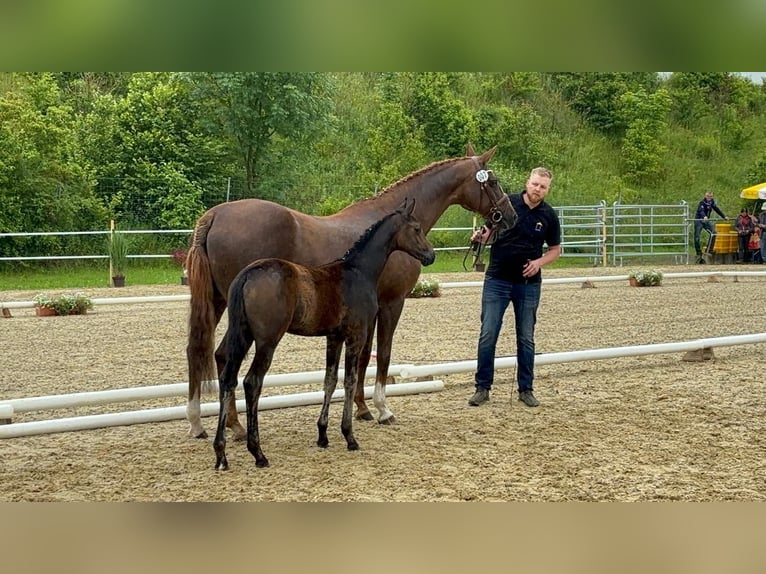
pixel 360 243
pixel 408 177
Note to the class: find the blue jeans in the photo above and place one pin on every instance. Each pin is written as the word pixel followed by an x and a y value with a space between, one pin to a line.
pixel 495 297
pixel 699 225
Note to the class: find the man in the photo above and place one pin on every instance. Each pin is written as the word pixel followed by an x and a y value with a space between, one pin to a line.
pixel 514 276
pixel 705 207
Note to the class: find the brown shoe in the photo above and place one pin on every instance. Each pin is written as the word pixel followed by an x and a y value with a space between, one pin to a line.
pixel 528 399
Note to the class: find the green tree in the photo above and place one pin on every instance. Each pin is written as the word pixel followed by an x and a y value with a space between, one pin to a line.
pixel 448 123
pixel 644 116
pixel 43 185
pixel 250 109
pixel 150 152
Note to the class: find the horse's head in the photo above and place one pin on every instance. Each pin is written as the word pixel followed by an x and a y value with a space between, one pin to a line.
pixel 411 238
pixel 483 192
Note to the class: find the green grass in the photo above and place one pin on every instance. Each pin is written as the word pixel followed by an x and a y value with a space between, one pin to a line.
pixel 64 276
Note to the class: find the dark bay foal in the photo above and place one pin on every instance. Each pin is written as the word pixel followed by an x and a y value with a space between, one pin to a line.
pixel 339 301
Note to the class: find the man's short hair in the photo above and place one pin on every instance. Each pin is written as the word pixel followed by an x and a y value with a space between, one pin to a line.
pixel 541 171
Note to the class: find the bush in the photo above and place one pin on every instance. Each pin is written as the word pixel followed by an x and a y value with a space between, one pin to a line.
pixel 647 278
pixel 425 288
pixel 67 304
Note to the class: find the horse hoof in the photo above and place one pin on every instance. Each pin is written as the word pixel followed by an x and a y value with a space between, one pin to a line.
pixel 366 416
pixel 202 435
pixel 222 465
pixel 263 463
pixel 323 443
pixel 353 446
pixel 389 421
pixel 239 437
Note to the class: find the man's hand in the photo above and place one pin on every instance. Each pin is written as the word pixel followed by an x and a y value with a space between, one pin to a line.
pixel 481 235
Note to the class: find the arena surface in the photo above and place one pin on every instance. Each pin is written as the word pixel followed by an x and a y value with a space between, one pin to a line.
pixel 645 428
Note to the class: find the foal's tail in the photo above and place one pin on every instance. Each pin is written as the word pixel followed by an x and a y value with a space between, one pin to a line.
pixel 238 334
pixel 200 348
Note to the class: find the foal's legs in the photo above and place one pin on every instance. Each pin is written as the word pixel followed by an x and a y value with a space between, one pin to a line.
pixel 253 385
pixel 232 418
pixel 349 382
pixel 332 360
pixel 227 382
pixel 362 412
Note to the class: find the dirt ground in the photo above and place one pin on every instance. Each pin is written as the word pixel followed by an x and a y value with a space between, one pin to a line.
pixel 640 428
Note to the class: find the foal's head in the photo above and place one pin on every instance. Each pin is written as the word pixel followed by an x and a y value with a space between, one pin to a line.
pixel 410 238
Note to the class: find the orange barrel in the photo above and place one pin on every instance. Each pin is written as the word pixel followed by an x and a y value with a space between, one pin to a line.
pixel 726 238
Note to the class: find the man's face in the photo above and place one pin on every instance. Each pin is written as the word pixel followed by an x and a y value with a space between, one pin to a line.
pixel 708 196
pixel 538 187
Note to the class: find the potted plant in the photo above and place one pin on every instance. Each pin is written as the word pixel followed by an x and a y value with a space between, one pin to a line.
pixel 425 288
pixel 179 256
pixel 117 248
pixel 66 304
pixel 645 278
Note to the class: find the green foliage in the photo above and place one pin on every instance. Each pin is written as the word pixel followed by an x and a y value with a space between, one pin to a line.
pixel 425 288
pixel 117 249
pixel 647 277
pixel 448 124
pixel 66 304
pixel 153 150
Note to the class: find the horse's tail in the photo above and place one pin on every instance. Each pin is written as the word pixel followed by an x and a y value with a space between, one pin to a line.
pixel 200 348
pixel 238 334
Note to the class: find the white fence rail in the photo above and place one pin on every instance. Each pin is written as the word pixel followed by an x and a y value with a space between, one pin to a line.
pixel 603 234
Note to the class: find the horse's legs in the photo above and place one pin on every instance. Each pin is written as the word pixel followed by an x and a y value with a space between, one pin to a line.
pixel 227 382
pixel 388 318
pixel 193 412
pixel 362 412
pixel 349 382
pixel 226 385
pixel 232 418
pixel 332 360
pixel 253 385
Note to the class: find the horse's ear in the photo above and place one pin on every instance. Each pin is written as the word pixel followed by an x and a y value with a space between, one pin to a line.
pixel 408 206
pixel 469 149
pixel 487 155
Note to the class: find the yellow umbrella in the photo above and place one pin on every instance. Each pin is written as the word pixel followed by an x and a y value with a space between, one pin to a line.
pixel 754 192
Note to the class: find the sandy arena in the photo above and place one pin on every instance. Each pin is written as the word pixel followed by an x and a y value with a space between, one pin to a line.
pixel 644 428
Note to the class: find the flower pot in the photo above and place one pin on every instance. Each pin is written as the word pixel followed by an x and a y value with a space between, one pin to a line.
pixel 633 282
pixel 118 281
pixel 184 280
pixel 45 312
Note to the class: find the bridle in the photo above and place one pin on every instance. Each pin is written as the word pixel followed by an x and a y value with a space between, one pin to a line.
pixel 487 180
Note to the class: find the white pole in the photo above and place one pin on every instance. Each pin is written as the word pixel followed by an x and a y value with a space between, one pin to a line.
pixel 408 372
pixel 73 400
pixel 446 285
pixel 207 409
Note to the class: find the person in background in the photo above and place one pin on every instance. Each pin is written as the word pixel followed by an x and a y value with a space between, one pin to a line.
pixel 745 228
pixel 705 208
pixel 513 277
pixel 762 226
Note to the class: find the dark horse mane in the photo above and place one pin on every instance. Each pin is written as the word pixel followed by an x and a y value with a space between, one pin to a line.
pixel 360 243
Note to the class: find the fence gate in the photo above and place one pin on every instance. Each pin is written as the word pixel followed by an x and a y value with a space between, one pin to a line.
pixel 648 231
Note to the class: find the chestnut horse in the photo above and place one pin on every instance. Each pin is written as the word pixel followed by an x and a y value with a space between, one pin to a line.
pixel 229 236
pixel 339 300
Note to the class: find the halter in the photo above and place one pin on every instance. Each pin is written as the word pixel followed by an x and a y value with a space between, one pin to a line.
pixel 495 214
pixel 483 177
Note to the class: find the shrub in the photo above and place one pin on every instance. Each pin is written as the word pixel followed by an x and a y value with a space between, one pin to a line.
pixel 425 288
pixel 67 304
pixel 647 278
